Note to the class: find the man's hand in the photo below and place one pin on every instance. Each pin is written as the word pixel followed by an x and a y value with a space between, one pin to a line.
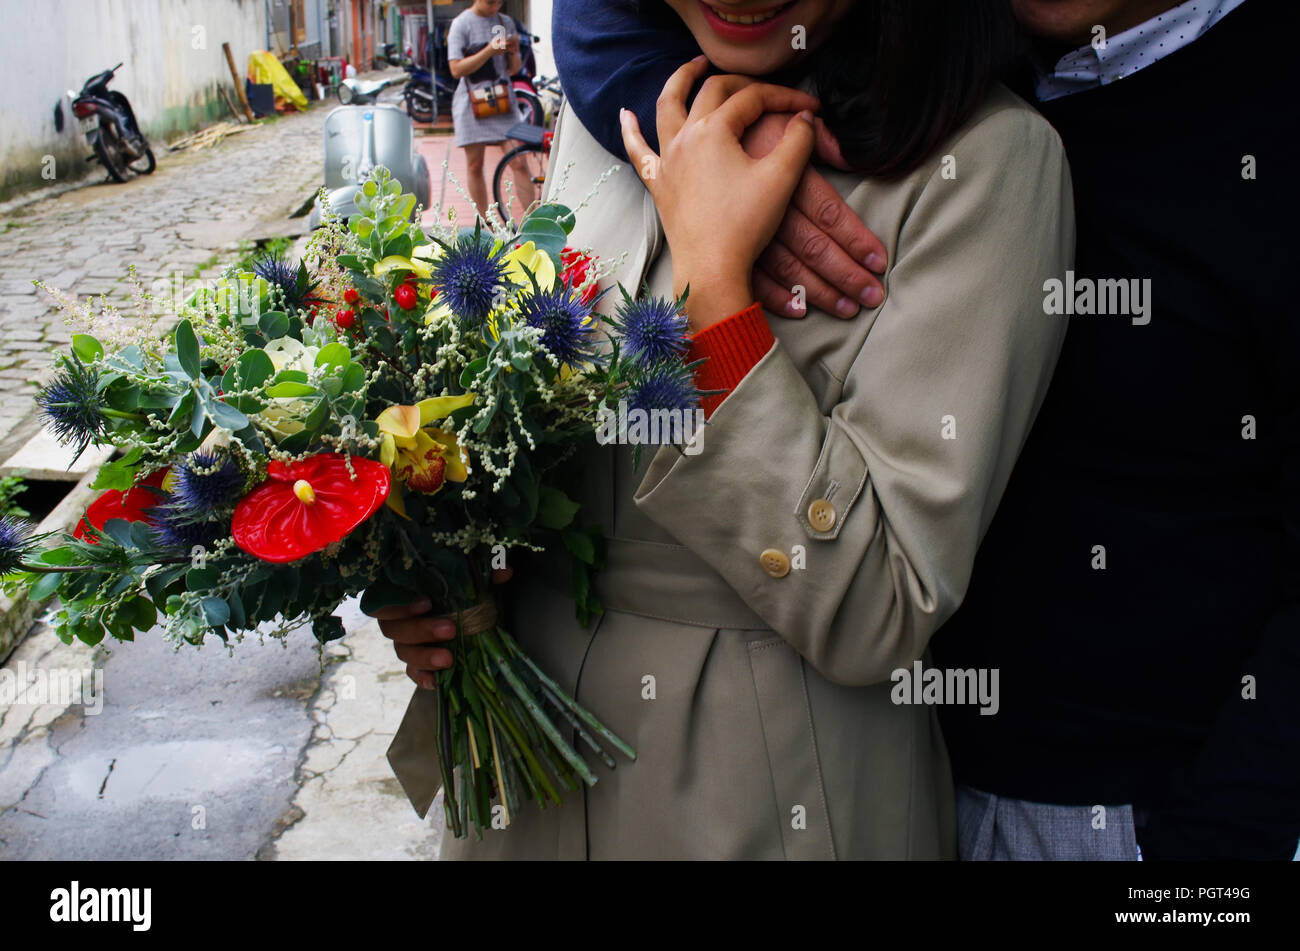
pixel 821 245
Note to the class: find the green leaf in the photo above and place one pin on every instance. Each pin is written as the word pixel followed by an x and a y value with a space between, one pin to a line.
pixel 333 355
pixel 274 324
pixel 198 419
pixel 471 372
pixel 119 529
pixel 327 628
pixel 187 349
pixel 215 611
pixel 580 546
pixel 142 613
pixel 225 415
pixel 383 593
pixel 291 390
pixel 115 474
pixel 555 509
pixel 46 586
pixel 87 348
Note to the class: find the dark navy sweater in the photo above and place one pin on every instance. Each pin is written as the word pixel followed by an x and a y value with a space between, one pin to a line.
pixel 1167 451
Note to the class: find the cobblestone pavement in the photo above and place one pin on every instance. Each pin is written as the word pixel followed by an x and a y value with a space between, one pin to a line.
pixel 189 217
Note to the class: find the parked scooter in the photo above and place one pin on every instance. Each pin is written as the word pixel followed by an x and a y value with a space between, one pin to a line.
pixel 109 123
pixel 353 92
pixel 360 137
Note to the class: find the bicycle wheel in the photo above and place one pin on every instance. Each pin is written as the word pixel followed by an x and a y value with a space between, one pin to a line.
pixel 519 179
pixel 529 108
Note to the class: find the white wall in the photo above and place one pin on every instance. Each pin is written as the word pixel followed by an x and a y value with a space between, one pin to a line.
pixel 540 24
pixel 173 63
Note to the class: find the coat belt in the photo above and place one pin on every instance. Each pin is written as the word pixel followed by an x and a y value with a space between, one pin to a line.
pixel 656 580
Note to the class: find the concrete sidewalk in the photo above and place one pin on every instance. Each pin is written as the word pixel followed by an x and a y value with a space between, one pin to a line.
pixel 275 752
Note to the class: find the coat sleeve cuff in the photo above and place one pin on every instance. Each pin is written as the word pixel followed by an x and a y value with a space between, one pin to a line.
pixel 729 348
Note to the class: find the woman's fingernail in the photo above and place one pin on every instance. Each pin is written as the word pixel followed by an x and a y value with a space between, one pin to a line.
pixel 872 296
pixel 875 262
pixel 427 683
pixel 422 606
pixel 806 116
pixel 845 307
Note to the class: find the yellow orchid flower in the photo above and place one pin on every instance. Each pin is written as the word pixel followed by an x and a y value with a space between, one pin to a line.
pixel 422 457
pixel 395 262
pixel 528 255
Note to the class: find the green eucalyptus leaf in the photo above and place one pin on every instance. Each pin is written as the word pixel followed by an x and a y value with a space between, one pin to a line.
pixel 87 348
pixel 187 349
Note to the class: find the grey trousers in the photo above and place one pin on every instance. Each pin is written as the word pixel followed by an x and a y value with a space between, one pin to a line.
pixel 995 828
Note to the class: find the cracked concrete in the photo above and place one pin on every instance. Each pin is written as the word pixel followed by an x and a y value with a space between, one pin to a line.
pixel 274 752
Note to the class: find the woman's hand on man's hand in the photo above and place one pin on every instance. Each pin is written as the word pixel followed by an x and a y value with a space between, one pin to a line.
pixel 817 243
pixel 416 635
pixel 720 207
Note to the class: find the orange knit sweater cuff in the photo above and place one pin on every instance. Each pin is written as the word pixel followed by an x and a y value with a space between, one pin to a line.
pixel 730 347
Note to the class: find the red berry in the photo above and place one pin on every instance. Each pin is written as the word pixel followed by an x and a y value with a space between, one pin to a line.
pixel 351 295
pixel 405 296
pixel 345 319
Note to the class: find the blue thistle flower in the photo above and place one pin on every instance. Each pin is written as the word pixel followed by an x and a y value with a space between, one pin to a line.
pixel 566 333
pixel 668 385
pixel 293 280
pixel 15 543
pixel 654 329
pixel 173 528
pixel 71 405
pixel 206 482
pixel 467 276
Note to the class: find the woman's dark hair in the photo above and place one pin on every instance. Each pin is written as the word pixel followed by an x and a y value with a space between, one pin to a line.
pixel 897 77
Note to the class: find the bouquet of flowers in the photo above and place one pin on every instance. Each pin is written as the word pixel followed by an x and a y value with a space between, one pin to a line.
pixel 390 417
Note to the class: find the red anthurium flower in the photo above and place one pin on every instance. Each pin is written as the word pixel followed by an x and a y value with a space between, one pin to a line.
pixel 576 265
pixel 132 505
pixel 305 506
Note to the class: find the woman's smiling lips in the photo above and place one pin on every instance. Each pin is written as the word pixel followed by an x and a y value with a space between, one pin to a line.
pixel 744 26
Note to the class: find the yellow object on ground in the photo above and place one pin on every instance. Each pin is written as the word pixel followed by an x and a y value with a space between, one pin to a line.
pixel 264 68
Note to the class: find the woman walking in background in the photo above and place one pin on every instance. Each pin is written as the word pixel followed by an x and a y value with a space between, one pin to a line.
pixel 483 52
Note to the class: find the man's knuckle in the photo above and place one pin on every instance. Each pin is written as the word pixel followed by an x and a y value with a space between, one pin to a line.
pixel 815 245
pixel 830 213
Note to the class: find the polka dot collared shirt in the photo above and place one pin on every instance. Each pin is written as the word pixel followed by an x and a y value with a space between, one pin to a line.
pixel 1109 58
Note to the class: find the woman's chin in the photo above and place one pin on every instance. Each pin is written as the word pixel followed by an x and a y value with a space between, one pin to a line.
pixel 747 62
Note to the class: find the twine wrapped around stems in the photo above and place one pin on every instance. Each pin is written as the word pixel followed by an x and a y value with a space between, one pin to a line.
pixel 475 619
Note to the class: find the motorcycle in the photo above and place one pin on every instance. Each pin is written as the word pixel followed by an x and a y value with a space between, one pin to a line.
pixel 418 93
pixel 109 123
pixel 360 137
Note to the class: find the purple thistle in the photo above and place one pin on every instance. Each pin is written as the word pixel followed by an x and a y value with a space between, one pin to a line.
pixel 668 385
pixel 15 543
pixel 172 528
pixel 566 332
pixel 293 280
pixel 204 483
pixel 71 405
pixel 467 277
pixel 654 329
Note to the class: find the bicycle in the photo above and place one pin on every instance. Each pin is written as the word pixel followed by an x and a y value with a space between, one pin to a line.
pixel 524 167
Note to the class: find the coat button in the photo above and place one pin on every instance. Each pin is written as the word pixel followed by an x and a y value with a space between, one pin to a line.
pixel 775 562
pixel 821 515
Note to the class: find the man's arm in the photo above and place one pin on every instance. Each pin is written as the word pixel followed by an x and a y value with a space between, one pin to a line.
pixel 610 56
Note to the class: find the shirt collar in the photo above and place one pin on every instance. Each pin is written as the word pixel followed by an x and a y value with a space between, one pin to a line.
pixel 1114 57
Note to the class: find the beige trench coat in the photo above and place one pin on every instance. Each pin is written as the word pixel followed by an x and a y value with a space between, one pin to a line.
pixel 771 733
